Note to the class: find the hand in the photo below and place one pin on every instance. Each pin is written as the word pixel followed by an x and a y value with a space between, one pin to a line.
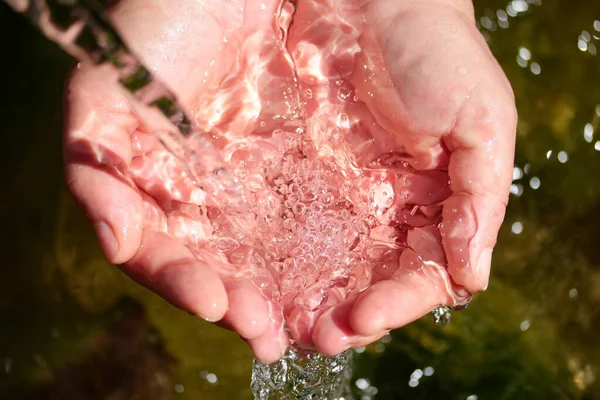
pixel 142 225
pixel 459 108
pixel 452 109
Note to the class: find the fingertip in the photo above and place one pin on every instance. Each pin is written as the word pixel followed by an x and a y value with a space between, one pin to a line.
pixel 469 233
pixel 113 205
pixel 248 312
pixel 332 333
pixel 271 345
pixel 367 316
pixel 392 304
pixel 108 242
pixel 196 289
pixel 482 274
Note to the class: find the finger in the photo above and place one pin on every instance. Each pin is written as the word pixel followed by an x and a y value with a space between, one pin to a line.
pixel 392 304
pixel 248 312
pixel 96 152
pixel 416 289
pixel 274 342
pixel 482 154
pixel 112 204
pixel 333 333
pixel 168 268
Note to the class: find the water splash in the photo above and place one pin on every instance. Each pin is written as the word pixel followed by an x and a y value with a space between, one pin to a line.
pixel 82 29
pixel 303 375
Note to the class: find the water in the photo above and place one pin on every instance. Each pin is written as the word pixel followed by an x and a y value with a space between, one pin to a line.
pixel 83 31
pixel 303 375
pixel 540 275
pixel 324 222
pixel 334 206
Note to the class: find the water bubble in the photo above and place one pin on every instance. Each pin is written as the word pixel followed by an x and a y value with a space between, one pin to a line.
pixel 307 192
pixel 296 252
pixel 298 208
pixel 328 198
pixel 308 268
pixel 308 93
pixel 311 224
pixel 298 282
pixel 317 206
pixel 343 94
pixel 288 214
pixel 289 264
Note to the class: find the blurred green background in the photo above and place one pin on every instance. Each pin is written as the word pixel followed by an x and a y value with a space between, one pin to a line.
pixel 73 327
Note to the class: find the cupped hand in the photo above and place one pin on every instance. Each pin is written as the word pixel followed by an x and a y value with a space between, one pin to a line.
pixel 428 77
pixel 448 105
pixel 117 170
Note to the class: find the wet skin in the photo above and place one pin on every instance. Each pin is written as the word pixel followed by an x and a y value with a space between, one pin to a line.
pixel 456 112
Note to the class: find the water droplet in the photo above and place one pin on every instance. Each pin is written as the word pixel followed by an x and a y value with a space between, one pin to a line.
pixel 343 94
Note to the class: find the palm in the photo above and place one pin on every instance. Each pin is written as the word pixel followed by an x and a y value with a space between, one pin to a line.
pixel 110 156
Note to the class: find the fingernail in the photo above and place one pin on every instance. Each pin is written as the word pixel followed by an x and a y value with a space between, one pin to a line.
pixel 107 239
pixel 482 275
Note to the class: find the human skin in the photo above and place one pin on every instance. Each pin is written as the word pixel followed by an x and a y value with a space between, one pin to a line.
pixel 452 105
